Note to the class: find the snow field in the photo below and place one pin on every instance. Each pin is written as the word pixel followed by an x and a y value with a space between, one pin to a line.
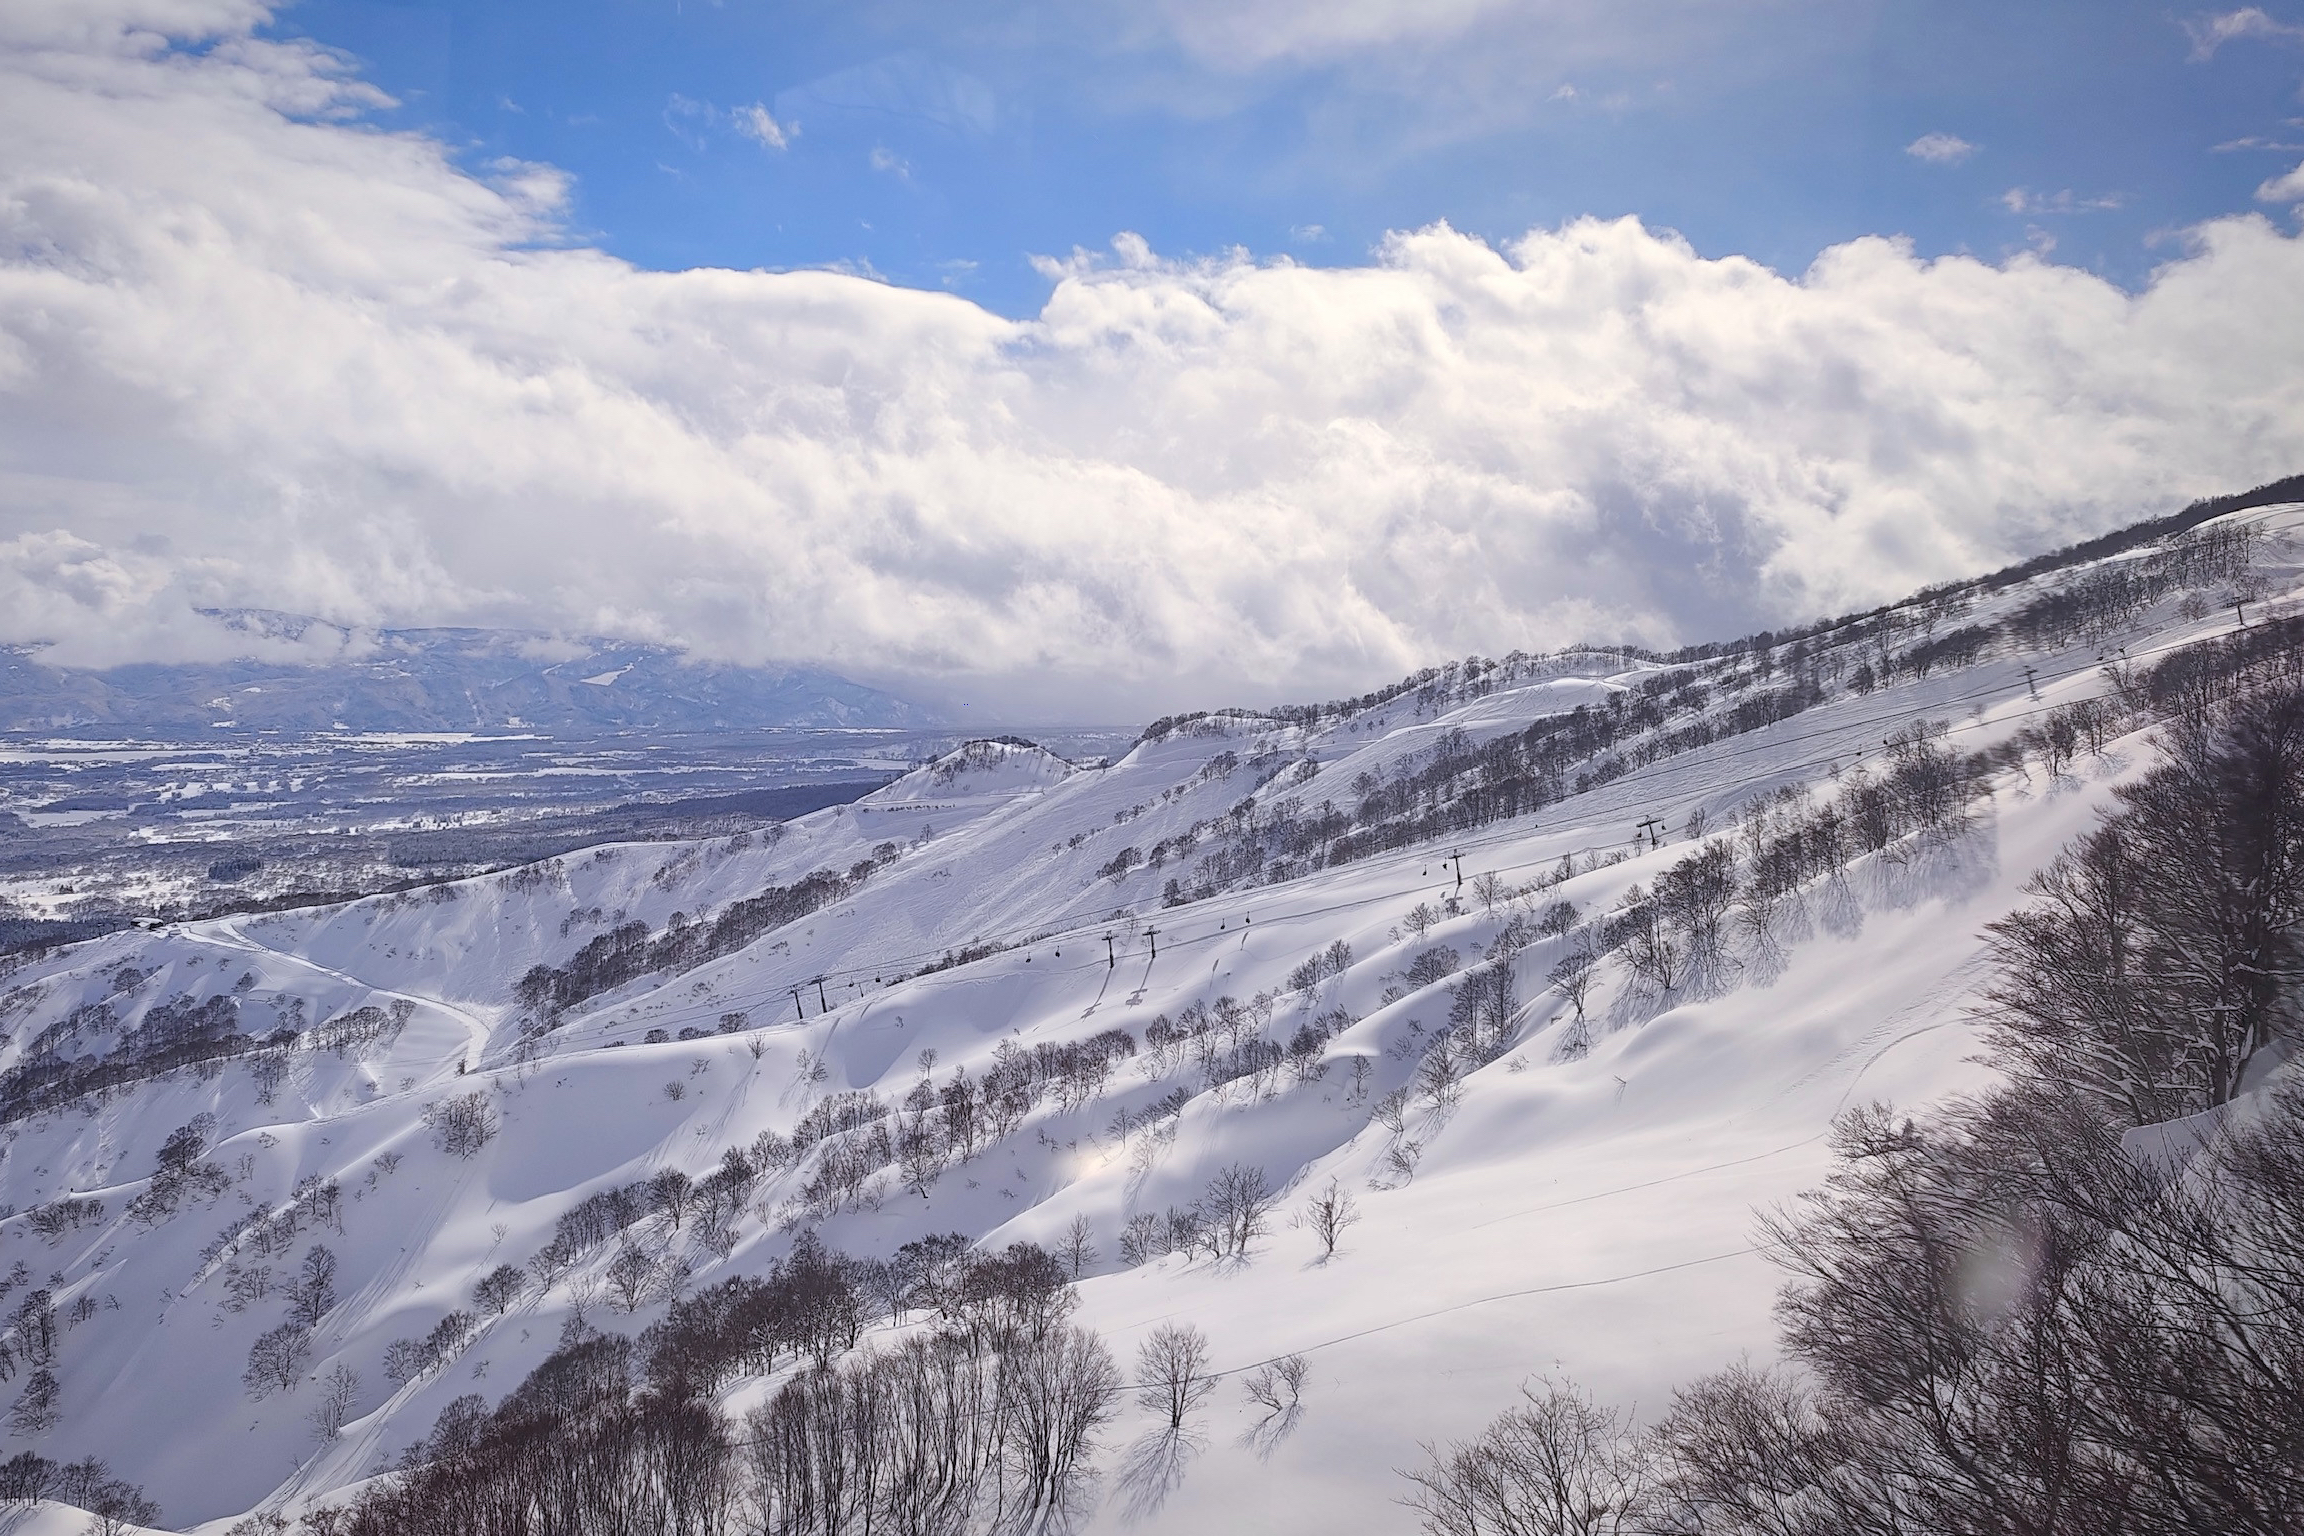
pixel 1593 1216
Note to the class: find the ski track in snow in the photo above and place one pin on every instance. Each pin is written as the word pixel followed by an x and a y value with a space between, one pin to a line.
pixel 228 933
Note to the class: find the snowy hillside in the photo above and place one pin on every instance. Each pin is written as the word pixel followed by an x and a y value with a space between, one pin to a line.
pixel 1028 1000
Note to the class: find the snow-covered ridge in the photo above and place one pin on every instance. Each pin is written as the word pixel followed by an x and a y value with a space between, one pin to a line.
pixel 975 770
pixel 1583 1205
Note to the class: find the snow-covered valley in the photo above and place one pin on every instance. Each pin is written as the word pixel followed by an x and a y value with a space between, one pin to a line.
pixel 1023 999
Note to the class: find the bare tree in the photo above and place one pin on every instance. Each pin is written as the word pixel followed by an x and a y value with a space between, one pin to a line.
pixel 339 1390
pixel 1391 1112
pixel 1140 1239
pixel 631 1279
pixel 1762 904
pixel 263 1522
pixel 1077 1247
pixel 1238 1207
pixel 1277 1387
pixel 1694 896
pixel 551 1261
pixel 497 1290
pixel 670 1192
pixel 1572 976
pixel 1483 1006
pixel 1327 1214
pixel 2154 967
pixel 276 1360
pixel 583 1295
pixel 919 1151
pixel 1441 1073
pixel 1559 1465
pixel 887 1285
pixel 89 1484
pixel 39 1407
pixel 462 1125
pixel 1062 1391
pixel 245 1285
pixel 1745 1452
pixel 1172 1375
pixel 1650 947
pixel 313 1291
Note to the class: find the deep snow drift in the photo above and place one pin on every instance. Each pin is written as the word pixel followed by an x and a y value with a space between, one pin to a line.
pixel 1583 1200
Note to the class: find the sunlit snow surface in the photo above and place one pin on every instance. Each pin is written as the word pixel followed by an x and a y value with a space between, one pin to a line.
pixel 1593 1216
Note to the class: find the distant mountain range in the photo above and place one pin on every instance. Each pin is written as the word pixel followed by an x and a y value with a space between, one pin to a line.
pixel 437 680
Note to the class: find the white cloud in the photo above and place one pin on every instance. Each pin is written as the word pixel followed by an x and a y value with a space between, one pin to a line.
pixel 1398 78
pixel 249 354
pixel 1940 148
pixel 533 188
pixel 2211 32
pixel 1255 34
pixel 2283 189
pixel 2025 200
pixel 1251 33
pixel 756 123
pixel 890 163
pixel 691 121
pixel 694 123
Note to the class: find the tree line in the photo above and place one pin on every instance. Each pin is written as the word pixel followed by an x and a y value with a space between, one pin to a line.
pixel 1456 787
pixel 985 1421
pixel 629 950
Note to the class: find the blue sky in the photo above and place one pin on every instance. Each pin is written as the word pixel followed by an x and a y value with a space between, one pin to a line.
pixel 943 146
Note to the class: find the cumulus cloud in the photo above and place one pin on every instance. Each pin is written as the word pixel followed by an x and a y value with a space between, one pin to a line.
pixel 1940 148
pixel 2283 189
pixel 254 352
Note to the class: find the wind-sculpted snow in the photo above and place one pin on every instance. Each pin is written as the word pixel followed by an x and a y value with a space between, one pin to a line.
pixel 993 1025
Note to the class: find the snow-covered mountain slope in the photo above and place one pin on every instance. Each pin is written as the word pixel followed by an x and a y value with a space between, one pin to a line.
pixel 1277 913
